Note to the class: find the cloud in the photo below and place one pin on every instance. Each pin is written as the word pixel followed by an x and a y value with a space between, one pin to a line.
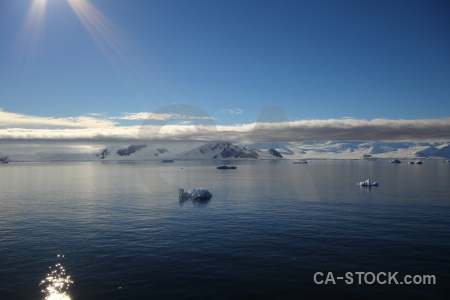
pixel 149 116
pixel 8 119
pixel 90 120
pixel 355 129
pixel 113 133
pixel 141 116
pixel 194 128
pixel 235 111
pixel 315 130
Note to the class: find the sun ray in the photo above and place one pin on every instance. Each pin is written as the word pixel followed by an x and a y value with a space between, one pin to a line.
pixel 32 28
pixel 110 43
pixel 27 43
pixel 98 27
pixel 105 36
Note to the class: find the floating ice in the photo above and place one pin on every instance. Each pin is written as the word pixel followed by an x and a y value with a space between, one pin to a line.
pixel 367 183
pixel 196 193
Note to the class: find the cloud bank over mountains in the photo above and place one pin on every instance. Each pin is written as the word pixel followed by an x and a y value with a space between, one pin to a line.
pixel 177 126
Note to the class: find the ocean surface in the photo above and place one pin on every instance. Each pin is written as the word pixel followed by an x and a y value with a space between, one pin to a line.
pixel 116 230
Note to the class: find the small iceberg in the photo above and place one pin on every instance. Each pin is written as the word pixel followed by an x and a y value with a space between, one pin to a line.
pixel 303 161
pixel 367 183
pixel 196 193
pixel 395 161
pixel 226 167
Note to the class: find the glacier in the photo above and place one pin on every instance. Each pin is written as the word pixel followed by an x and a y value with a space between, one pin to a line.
pixel 196 150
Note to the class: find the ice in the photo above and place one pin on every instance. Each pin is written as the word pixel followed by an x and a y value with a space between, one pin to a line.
pixel 367 183
pixel 196 193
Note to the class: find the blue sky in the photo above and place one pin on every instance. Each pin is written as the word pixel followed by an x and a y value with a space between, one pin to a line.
pixel 102 60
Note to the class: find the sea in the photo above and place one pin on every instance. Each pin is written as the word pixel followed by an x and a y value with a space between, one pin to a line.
pixel 272 230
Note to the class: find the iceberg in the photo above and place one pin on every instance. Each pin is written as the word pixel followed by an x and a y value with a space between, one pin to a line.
pixel 395 161
pixel 196 193
pixel 367 183
pixel 226 167
pixel 303 161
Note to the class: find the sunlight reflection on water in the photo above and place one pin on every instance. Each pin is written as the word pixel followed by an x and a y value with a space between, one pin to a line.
pixel 56 283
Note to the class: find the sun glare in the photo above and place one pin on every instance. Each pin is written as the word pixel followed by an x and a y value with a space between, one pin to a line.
pixel 38 7
pixel 28 40
pixel 35 17
pixel 99 28
pixel 105 36
pixel 107 39
pixel 56 283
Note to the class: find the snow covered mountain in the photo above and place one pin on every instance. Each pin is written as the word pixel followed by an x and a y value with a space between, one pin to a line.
pixel 224 150
pixel 135 152
pixel 220 150
pixel 357 150
pixel 432 151
pixel 143 151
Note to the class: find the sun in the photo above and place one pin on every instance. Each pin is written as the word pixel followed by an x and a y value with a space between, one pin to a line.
pixel 33 23
pixel 36 13
pixel 41 3
pixel 101 30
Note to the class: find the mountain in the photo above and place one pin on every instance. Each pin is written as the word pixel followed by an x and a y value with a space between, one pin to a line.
pixel 429 151
pixel 360 149
pixel 445 151
pixel 144 151
pixel 281 148
pixel 432 151
pixel 225 150
pixel 134 152
pixel 130 150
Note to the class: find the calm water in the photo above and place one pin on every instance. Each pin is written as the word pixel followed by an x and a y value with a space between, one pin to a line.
pixel 269 227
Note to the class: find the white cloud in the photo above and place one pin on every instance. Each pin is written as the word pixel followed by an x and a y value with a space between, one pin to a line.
pixel 8 119
pixel 19 126
pixel 113 133
pixel 233 111
pixel 141 116
pixel 316 130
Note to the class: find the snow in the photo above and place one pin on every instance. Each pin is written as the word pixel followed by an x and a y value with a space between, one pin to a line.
pixel 356 150
pixel 196 193
pixel 432 151
pixel 367 183
pixel 210 151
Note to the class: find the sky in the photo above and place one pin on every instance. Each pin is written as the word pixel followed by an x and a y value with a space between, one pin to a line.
pixel 317 70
